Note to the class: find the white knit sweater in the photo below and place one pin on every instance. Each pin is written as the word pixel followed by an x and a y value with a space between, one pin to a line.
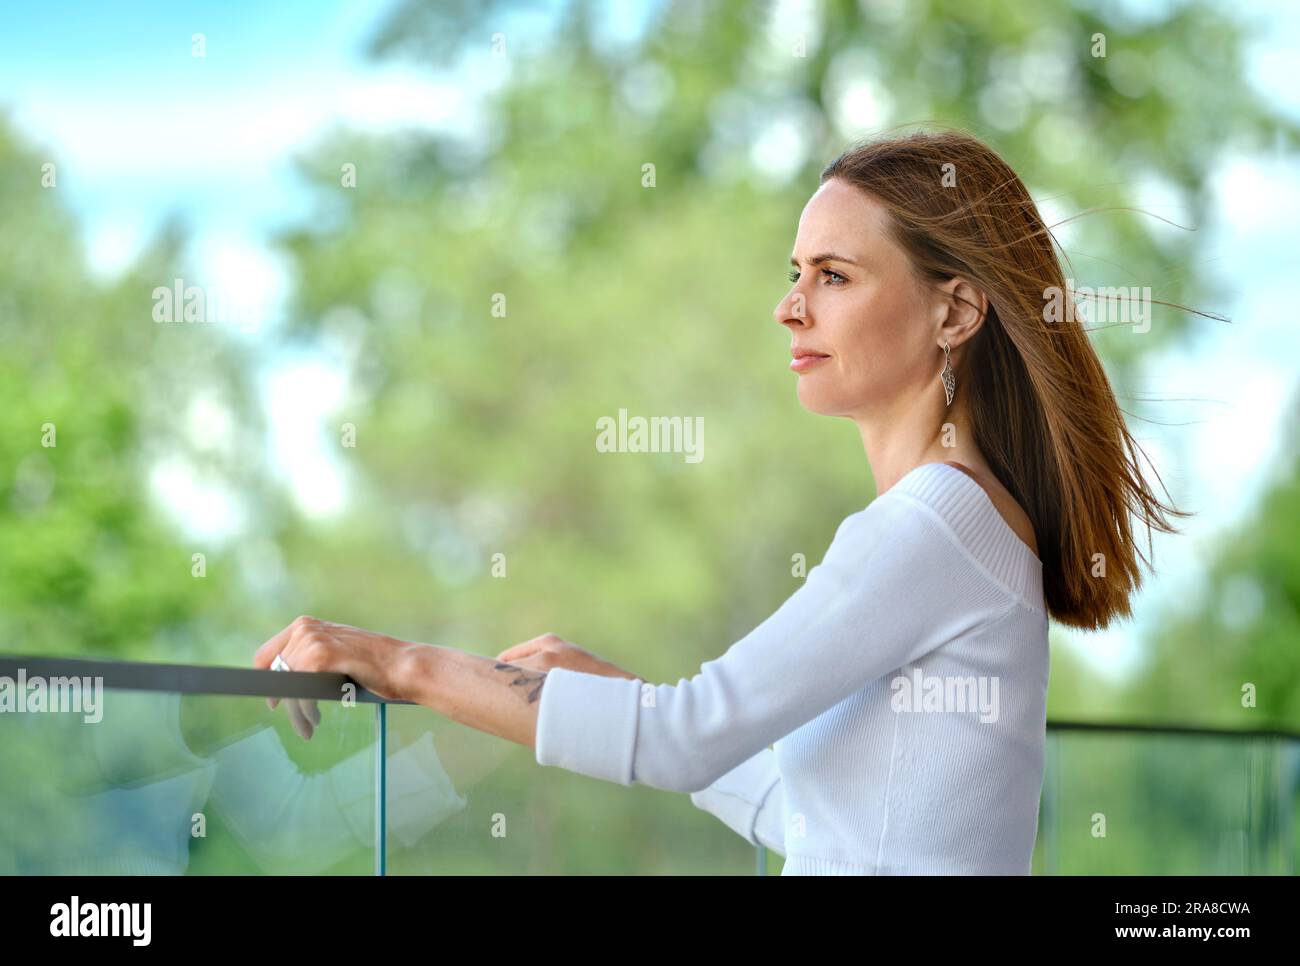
pixel 904 686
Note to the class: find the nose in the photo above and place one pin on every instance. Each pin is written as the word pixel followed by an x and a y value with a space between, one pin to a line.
pixel 792 310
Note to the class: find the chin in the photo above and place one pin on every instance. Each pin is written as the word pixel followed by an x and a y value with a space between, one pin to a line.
pixel 814 401
pixel 819 399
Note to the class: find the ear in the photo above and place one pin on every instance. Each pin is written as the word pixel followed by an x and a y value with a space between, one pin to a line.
pixel 961 310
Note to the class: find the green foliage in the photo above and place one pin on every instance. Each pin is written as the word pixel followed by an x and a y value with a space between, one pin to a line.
pixel 89 391
pixel 475 432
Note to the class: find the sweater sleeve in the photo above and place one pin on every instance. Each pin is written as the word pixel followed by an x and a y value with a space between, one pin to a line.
pixel 750 801
pixel 894 584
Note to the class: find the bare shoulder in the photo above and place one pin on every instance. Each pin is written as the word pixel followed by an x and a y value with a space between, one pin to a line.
pixel 1004 503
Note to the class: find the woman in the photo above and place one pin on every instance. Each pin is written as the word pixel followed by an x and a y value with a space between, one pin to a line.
pixel 905 682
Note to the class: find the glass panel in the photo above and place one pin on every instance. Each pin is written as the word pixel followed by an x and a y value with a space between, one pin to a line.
pixel 129 782
pixel 153 782
pixel 1167 804
pixel 466 803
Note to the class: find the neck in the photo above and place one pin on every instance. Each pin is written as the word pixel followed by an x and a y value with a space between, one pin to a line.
pixel 912 431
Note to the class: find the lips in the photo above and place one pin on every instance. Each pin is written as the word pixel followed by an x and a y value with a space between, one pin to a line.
pixel 805 359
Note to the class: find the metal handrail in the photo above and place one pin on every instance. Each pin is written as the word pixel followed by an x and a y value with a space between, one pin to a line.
pixel 193 678
pixel 328 686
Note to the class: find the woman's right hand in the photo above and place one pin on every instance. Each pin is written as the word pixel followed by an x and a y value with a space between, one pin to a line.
pixel 551 651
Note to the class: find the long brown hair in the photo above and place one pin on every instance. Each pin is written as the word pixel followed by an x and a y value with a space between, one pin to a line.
pixel 1043 411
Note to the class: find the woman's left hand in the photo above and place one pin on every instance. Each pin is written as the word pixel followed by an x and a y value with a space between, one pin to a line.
pixel 377 662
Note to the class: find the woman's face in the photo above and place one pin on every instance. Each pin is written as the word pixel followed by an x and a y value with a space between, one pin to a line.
pixel 861 308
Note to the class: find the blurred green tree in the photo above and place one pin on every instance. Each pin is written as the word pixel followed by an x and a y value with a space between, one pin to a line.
pixel 93 393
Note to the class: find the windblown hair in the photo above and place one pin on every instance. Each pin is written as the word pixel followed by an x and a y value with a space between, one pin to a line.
pixel 1043 411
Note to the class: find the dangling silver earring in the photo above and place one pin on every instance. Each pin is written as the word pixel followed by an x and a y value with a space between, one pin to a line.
pixel 949 380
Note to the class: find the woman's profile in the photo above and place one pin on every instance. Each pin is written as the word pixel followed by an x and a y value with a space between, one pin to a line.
pixel 890 716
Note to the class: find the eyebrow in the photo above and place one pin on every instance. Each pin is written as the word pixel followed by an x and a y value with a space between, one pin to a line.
pixel 825 257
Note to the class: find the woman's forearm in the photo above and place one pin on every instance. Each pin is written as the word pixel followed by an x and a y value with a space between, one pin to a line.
pixel 499 696
pixel 479 692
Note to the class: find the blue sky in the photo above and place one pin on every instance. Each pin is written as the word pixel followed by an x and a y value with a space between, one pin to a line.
pixel 140 129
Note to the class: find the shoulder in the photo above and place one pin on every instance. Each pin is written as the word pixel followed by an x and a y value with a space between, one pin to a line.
pixel 900 558
pixel 938 510
pixel 898 528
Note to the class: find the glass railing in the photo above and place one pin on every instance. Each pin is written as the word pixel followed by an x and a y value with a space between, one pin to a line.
pixel 127 768
pixel 504 814
pixel 116 767
pixel 1154 800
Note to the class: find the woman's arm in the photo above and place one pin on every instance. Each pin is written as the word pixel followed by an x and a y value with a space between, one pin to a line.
pixel 484 693
pixel 480 692
pixel 896 583
pixel 523 666
pixel 749 799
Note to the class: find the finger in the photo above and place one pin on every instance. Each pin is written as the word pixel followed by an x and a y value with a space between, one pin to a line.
pixel 298 719
pixel 525 649
pixel 274 701
pixel 291 705
pixel 267 652
pixel 304 714
pixel 309 724
pixel 278 646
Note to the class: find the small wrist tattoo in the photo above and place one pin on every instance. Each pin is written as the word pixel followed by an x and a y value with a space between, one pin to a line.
pixel 524 679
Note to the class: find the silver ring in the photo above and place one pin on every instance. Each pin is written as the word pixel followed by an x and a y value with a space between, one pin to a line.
pixel 280 664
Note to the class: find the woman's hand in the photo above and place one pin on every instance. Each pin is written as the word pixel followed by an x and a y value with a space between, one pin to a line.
pixel 549 651
pixel 377 662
